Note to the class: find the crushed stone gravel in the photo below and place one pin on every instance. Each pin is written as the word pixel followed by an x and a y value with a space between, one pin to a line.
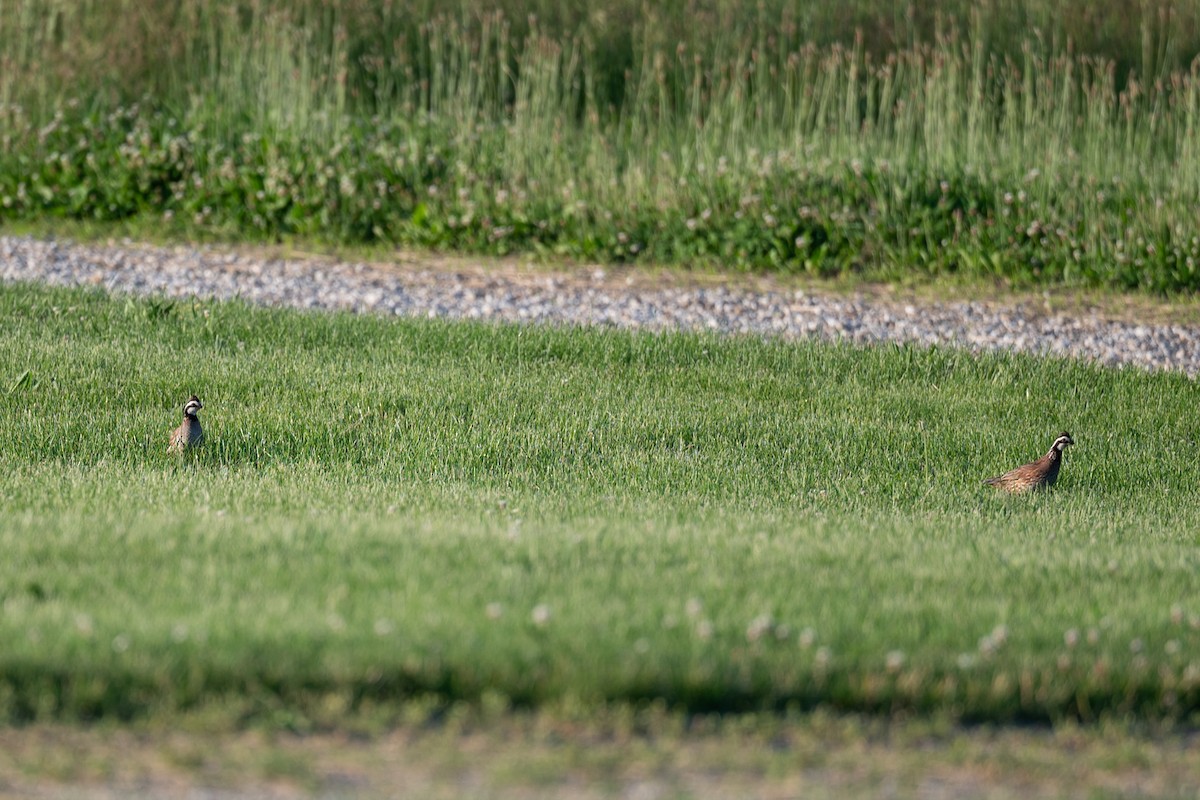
pixel 592 297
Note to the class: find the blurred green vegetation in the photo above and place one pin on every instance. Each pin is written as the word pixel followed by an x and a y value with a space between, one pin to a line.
pixel 1029 142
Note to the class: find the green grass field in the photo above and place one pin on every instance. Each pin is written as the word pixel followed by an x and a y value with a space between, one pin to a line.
pixel 389 510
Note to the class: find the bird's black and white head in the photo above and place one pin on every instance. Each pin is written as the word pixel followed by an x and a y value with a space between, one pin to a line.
pixel 1063 441
pixel 192 406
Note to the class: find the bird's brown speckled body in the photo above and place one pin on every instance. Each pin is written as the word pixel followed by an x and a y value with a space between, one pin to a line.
pixel 189 434
pixel 1040 474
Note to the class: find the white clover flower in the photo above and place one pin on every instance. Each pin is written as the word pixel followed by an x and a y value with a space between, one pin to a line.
pixel 823 657
pixel 758 626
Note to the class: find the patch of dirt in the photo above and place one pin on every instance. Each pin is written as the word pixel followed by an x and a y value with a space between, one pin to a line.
pixel 539 756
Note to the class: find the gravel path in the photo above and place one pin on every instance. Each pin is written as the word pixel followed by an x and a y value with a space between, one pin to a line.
pixel 433 289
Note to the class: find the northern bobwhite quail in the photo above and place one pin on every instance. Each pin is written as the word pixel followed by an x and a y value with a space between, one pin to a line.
pixel 1040 474
pixel 189 434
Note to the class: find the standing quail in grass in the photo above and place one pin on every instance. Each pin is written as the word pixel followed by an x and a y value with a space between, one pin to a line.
pixel 1040 474
pixel 189 434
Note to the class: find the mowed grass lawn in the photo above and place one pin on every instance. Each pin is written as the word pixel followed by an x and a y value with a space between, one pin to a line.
pixel 518 516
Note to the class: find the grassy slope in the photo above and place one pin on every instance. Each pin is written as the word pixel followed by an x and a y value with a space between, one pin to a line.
pixel 384 505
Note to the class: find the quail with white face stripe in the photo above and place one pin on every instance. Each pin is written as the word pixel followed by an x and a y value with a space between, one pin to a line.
pixel 189 434
pixel 1040 474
